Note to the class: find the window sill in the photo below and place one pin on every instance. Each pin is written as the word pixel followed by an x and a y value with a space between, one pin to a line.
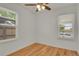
pixel 65 38
pixel 2 41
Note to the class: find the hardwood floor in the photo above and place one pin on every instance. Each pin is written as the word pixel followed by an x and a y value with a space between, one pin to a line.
pixel 37 49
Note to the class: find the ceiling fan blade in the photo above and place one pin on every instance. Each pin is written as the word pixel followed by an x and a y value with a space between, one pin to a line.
pixel 30 4
pixel 46 7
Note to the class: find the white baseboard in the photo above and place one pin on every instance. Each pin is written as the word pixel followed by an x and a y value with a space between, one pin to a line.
pixel 57 46
pixel 19 48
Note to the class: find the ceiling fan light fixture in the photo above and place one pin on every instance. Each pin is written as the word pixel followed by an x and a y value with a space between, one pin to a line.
pixel 38 7
pixel 43 7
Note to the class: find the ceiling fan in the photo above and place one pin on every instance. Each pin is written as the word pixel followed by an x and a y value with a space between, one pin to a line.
pixel 39 6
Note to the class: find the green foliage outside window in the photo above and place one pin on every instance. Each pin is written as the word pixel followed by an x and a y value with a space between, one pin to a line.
pixel 61 28
pixel 8 14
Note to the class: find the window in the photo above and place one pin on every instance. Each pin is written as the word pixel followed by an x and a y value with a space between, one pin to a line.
pixel 65 26
pixel 7 24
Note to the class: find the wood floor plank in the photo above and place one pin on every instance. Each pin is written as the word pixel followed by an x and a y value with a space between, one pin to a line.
pixel 54 51
pixel 42 51
pixel 33 53
pixel 37 49
pixel 60 52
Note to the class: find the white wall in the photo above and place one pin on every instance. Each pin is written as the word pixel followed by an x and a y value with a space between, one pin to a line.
pixel 78 26
pixel 25 29
pixel 47 28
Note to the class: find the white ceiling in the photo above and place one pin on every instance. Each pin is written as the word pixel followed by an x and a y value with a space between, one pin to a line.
pixel 58 5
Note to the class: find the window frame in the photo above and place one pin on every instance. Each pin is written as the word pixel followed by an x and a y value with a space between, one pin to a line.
pixel 73 24
pixel 9 10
